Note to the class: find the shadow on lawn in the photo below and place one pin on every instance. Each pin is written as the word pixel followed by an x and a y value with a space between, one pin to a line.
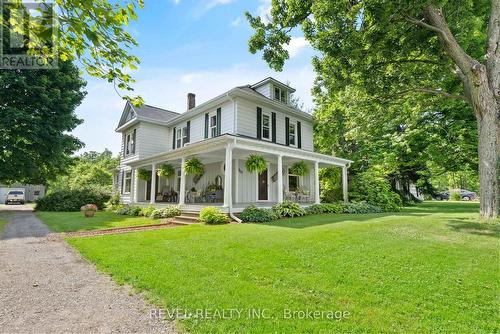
pixel 471 226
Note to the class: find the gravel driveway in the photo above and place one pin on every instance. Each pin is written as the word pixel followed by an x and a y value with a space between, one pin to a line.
pixel 46 287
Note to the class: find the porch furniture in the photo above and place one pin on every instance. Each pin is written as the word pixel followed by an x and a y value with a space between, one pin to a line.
pixel 215 196
pixel 193 196
pixel 303 197
pixel 290 196
pixel 169 195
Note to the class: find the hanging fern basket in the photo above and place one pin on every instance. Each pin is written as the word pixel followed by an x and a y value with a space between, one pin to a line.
pixel 194 166
pixel 166 171
pixel 144 174
pixel 299 168
pixel 256 163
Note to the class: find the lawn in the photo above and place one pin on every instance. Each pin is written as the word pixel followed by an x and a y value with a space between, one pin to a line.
pixel 428 269
pixel 75 221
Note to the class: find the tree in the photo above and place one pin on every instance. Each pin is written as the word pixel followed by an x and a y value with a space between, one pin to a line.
pixel 36 114
pixel 91 170
pixel 90 31
pixel 398 49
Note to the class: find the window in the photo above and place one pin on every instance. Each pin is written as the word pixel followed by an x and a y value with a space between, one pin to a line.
pixel 127 182
pixel 266 126
pixel 291 134
pixel 130 142
pixel 127 145
pixel 213 126
pixel 184 136
pixel 279 94
pixel 293 182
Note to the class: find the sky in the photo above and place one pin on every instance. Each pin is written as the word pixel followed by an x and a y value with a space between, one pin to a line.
pixel 198 46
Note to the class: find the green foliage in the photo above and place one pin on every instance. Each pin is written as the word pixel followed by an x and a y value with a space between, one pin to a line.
pixel 147 211
pixel 91 170
pixel 288 209
pixel 374 189
pixel 212 215
pixel 455 195
pixel 325 208
pixel 255 215
pixel 144 174
pixel 360 207
pixel 166 171
pixel 194 166
pixel 37 114
pixel 93 33
pixel 167 212
pixel 299 168
pixel 256 163
pixel 72 200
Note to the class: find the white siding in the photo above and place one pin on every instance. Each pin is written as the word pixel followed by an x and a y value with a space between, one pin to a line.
pixel 247 124
pixel 265 90
pixel 151 139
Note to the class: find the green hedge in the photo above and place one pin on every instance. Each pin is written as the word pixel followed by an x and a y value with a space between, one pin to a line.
pixel 72 200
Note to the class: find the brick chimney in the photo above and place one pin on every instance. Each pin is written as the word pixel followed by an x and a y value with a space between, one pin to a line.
pixel 191 101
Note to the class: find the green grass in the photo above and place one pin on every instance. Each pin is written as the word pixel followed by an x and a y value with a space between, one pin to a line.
pixel 75 221
pixel 428 269
pixel 3 221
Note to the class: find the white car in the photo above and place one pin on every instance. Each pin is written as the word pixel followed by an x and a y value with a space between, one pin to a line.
pixel 15 196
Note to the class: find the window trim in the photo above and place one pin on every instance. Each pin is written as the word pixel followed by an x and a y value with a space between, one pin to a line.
pixel 280 94
pixel 213 128
pixel 293 126
pixel 295 176
pixel 127 179
pixel 269 127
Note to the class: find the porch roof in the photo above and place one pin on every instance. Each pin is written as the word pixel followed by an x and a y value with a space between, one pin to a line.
pixel 242 143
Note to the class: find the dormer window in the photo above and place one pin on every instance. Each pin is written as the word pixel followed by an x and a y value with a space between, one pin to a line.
pixel 279 94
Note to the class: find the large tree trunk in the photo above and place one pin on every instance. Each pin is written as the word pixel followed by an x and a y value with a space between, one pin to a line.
pixel 482 91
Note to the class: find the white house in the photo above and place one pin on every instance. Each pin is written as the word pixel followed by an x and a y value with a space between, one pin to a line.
pixel 222 133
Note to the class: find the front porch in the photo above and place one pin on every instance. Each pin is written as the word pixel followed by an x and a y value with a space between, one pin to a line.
pixel 226 182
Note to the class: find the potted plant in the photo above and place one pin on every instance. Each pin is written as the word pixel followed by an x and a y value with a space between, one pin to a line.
pixel 166 171
pixel 89 210
pixel 144 174
pixel 256 163
pixel 194 166
pixel 299 168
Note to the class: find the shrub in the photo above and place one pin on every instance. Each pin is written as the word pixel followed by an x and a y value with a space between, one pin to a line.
pixel 289 209
pixel 255 215
pixel 134 211
pixel 72 200
pixel 147 211
pixel 213 215
pixel 123 210
pixel 167 212
pixel 373 188
pixel 455 195
pixel 324 208
pixel 360 207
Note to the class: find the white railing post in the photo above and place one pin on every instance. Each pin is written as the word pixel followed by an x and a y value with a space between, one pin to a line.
pixel 182 188
pixel 153 184
pixel 280 178
pixel 228 176
pixel 344 183
pixel 316 183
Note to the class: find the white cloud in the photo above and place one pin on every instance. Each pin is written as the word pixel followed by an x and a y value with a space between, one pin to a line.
pixel 264 10
pixel 167 88
pixel 296 45
pixel 215 3
pixel 236 22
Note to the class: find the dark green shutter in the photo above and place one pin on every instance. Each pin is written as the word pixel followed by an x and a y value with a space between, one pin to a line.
pixel 173 140
pixel 188 131
pixel 273 127
pixel 219 121
pixel 259 123
pixel 123 182
pixel 134 136
pixel 206 125
pixel 287 131
pixel 299 135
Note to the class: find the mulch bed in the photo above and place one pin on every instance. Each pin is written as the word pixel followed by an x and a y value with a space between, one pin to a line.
pixel 119 230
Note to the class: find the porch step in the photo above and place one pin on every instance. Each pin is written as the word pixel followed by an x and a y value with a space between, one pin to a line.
pixel 193 214
pixel 186 218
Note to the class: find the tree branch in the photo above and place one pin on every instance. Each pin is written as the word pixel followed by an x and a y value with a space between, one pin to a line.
pixel 422 24
pixel 435 91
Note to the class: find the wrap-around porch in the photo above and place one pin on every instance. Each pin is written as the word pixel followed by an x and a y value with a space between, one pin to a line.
pixel 226 182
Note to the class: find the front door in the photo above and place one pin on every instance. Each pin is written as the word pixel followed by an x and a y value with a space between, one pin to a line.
pixel 263 195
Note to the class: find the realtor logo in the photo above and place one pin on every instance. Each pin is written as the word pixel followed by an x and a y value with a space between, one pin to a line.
pixel 28 35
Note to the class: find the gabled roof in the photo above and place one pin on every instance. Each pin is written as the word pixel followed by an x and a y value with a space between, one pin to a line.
pixel 274 81
pixel 145 113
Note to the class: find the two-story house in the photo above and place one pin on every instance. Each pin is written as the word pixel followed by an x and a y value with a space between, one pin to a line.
pixel 222 133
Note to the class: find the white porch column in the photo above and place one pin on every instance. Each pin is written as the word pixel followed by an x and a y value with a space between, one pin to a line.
pixel 153 184
pixel 316 183
pixel 182 190
pixel 228 176
pixel 344 183
pixel 236 182
pixel 133 195
pixel 280 178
